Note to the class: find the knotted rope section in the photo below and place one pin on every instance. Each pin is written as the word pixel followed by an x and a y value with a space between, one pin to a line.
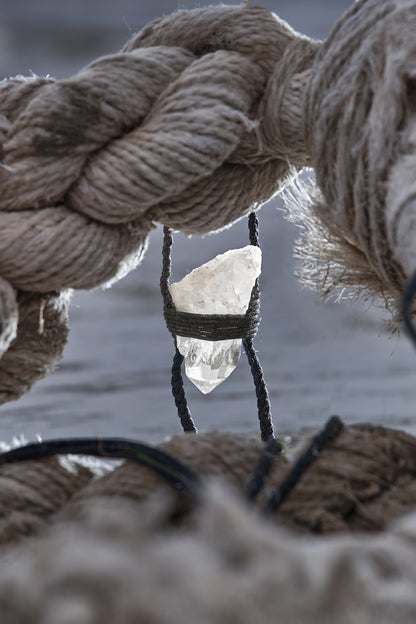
pixel 203 116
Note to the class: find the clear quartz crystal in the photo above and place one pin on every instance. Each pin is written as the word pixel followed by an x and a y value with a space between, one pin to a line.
pixel 221 286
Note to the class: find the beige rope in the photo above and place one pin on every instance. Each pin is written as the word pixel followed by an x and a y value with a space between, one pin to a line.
pixel 204 115
pixel 361 135
pixel 360 482
pixel 124 548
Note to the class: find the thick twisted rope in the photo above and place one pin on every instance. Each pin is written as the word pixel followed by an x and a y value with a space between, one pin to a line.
pixel 360 129
pixel 202 117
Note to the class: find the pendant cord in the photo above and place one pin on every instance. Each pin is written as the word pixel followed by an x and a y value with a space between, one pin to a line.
pixel 176 380
pixel 262 393
pixel 332 428
pixel 262 469
pixel 214 327
pixel 166 267
pixel 178 392
pixel 407 301
pixel 177 474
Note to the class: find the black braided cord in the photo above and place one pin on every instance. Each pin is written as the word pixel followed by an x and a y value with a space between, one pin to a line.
pixel 262 394
pixel 178 392
pixel 173 471
pixel 262 469
pixel 332 428
pixel 214 327
pixel 407 300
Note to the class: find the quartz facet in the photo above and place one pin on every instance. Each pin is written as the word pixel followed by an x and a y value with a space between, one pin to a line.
pixel 221 286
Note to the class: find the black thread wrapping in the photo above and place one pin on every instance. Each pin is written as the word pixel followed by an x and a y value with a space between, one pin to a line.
pixel 329 433
pixel 214 327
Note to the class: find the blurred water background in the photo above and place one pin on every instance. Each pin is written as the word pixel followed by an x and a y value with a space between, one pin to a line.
pixel 318 358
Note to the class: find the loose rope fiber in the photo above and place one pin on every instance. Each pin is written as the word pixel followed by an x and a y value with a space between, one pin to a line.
pixel 202 117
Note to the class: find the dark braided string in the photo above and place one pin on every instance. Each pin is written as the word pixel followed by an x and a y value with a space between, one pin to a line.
pixel 262 394
pixel 166 267
pixel 407 300
pixel 253 229
pixel 332 428
pixel 178 392
pixel 214 327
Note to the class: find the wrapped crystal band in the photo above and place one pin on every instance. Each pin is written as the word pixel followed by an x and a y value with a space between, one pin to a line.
pixel 210 342
pixel 211 327
pixel 214 326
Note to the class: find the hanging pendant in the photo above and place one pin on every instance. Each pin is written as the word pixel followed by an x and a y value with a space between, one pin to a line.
pixel 221 286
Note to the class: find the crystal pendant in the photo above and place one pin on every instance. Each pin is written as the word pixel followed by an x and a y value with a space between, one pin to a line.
pixel 221 286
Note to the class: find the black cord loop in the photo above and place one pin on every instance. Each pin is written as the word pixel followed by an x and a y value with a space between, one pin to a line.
pixel 262 469
pixel 178 392
pixel 173 471
pixel 214 327
pixel 332 428
pixel 407 300
pixel 210 327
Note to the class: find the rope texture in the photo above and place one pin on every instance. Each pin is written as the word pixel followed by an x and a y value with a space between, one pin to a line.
pixel 360 130
pixel 363 479
pixel 100 549
pixel 202 117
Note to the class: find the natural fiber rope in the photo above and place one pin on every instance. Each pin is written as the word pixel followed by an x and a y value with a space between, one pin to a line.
pixel 360 129
pixel 332 428
pixel 364 478
pixel 171 470
pixel 202 116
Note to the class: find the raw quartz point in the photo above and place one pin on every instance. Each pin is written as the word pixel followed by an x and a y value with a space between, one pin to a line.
pixel 221 286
